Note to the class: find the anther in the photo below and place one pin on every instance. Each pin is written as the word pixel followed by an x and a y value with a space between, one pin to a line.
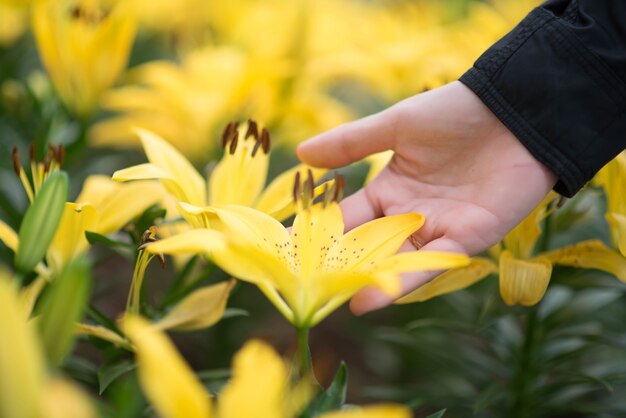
pixel 310 184
pixel 256 147
pixel 17 166
pixel 296 188
pixel 47 161
pixel 233 143
pixel 265 140
pixel 253 130
pixel 60 154
pixel 340 184
pixel 228 133
pixel 32 151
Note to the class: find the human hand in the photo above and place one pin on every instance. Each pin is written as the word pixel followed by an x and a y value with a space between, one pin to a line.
pixel 454 162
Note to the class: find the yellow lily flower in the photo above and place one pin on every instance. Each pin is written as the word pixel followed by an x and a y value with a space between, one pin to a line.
pixel 524 277
pixel 612 178
pixel 175 392
pixel 84 45
pixel 313 268
pixel 13 20
pixel 238 179
pixel 26 390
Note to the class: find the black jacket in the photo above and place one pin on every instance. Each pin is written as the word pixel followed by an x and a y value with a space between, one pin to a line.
pixel 558 82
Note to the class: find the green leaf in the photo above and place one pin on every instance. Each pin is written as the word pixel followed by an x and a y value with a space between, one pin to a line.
pixel 111 372
pixel 41 221
pixel 95 238
pixel 334 397
pixel 234 313
pixel 437 414
pixel 488 396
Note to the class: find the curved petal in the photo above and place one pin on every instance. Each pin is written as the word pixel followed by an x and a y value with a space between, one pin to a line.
pixel 314 233
pixel 21 362
pixel 523 282
pixel 277 198
pixel 179 170
pixel 200 309
pixel 254 227
pixel 377 411
pixel 69 240
pixel 166 379
pixel 592 254
pixel 618 225
pixel 365 245
pixel 195 241
pixel 8 236
pixel 452 280
pixel 62 399
pixel 244 396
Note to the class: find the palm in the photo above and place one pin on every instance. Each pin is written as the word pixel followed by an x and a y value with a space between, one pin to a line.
pixel 454 162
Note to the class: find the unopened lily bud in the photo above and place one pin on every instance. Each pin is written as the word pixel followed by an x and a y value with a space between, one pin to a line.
pixel 41 221
pixel 62 307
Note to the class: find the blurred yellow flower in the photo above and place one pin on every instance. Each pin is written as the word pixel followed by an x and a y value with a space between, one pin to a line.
pixel 524 277
pixel 260 386
pixel 313 268
pixel 13 20
pixel 84 45
pixel 613 178
pixel 26 390
pixel 238 179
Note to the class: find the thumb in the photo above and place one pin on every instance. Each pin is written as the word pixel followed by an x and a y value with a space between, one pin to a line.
pixel 353 141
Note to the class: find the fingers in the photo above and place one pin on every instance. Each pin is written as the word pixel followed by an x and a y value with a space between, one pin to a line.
pixel 351 142
pixel 370 299
pixel 358 209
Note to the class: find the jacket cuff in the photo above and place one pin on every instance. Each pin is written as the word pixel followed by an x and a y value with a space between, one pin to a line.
pixel 564 104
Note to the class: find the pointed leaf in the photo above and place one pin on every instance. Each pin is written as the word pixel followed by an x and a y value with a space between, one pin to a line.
pixel 109 373
pixel 335 396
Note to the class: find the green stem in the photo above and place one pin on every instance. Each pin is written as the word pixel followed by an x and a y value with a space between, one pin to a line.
pixel 525 373
pixel 303 355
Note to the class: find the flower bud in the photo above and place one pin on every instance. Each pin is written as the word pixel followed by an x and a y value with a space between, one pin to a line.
pixel 41 221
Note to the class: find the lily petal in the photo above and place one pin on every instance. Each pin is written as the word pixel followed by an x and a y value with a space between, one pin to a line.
pixel 182 177
pixel 452 280
pixel 195 241
pixel 200 309
pixel 21 362
pixel 315 231
pixel 118 203
pixel 523 282
pixel 373 241
pixel 377 411
pixel 69 240
pixel 244 396
pixel 618 225
pixel 166 379
pixel 62 399
pixel 104 334
pixel 8 236
pixel 277 198
pixel 592 254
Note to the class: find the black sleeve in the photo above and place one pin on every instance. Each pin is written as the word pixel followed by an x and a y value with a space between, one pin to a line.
pixel 558 82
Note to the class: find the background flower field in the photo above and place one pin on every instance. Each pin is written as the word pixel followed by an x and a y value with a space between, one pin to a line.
pixel 122 108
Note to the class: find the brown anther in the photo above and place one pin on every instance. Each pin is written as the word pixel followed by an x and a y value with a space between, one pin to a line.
pixel 32 152
pixel 265 140
pixel 256 147
pixel 148 237
pixel 310 184
pixel 47 161
pixel 297 188
pixel 228 133
pixel 17 165
pixel 340 184
pixel 253 130
pixel 233 144
pixel 60 154
pixel 325 194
